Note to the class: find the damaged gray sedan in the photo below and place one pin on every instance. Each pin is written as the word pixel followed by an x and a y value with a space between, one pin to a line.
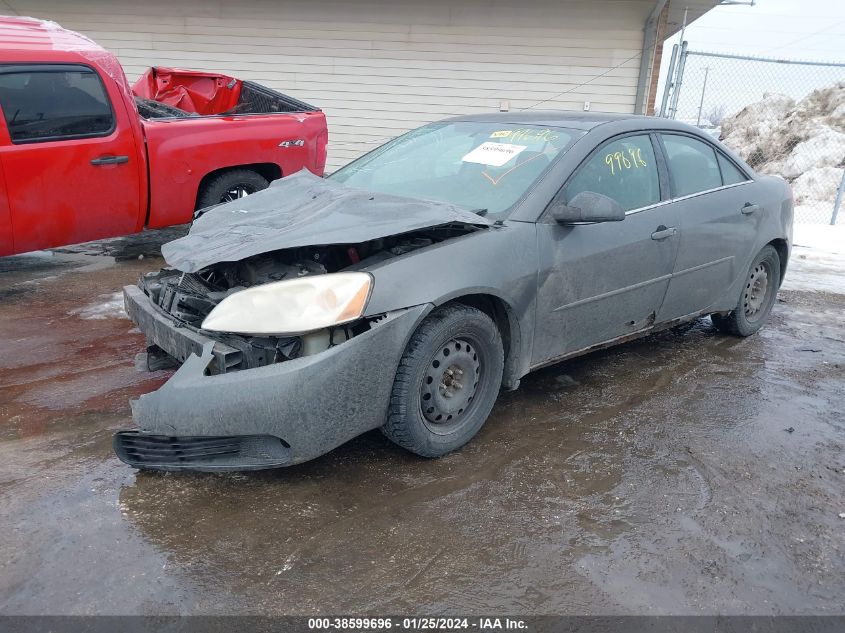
pixel 407 289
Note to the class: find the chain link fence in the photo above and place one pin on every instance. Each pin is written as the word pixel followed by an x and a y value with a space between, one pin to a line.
pixel 784 117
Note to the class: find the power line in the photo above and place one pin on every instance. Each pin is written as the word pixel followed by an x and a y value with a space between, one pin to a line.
pixel 560 94
pixel 804 37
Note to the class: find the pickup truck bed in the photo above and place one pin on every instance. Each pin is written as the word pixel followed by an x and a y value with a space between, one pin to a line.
pixel 194 92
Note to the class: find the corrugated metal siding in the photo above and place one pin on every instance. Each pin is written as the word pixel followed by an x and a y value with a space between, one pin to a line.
pixel 380 68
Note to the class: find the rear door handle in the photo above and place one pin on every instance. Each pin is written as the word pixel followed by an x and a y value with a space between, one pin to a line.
pixel 749 208
pixel 662 232
pixel 110 160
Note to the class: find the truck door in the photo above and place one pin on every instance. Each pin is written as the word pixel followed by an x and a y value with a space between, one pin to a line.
pixel 69 155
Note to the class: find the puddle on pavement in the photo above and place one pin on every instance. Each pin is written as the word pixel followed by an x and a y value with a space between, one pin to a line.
pixel 657 476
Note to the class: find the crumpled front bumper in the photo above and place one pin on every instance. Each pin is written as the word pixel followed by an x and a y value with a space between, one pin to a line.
pixel 276 415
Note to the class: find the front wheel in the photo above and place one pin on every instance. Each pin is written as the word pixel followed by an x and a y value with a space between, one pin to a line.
pixel 757 297
pixel 447 382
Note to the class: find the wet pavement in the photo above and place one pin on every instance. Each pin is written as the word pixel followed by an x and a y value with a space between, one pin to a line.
pixel 685 473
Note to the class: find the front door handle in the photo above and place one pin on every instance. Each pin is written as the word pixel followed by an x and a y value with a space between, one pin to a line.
pixel 110 160
pixel 749 208
pixel 662 232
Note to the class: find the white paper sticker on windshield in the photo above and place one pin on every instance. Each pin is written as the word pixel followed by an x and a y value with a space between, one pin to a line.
pixel 493 154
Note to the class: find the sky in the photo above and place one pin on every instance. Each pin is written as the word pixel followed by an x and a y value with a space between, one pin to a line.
pixel 811 30
pixel 806 29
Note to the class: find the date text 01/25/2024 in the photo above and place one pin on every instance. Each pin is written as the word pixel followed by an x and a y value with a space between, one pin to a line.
pixel 417 624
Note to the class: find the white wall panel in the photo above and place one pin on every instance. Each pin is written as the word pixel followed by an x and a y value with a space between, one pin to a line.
pixel 379 68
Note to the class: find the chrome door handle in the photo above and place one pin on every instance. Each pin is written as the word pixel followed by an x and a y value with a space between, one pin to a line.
pixel 110 160
pixel 749 208
pixel 662 232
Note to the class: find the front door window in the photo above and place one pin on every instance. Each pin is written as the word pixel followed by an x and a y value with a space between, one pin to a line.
pixel 624 169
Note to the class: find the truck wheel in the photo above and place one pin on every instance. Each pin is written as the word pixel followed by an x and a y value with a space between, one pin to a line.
pixel 757 297
pixel 228 186
pixel 447 382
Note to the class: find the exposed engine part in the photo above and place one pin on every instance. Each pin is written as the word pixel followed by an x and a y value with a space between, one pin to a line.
pixel 190 297
pixel 259 351
pixel 410 245
pixel 321 340
pixel 257 270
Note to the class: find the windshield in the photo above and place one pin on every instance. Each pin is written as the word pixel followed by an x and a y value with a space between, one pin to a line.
pixel 470 164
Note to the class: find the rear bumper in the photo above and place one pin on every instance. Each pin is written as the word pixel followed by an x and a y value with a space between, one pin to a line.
pixel 276 415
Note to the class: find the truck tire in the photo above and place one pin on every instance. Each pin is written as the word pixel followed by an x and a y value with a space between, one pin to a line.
pixel 757 297
pixel 447 382
pixel 229 185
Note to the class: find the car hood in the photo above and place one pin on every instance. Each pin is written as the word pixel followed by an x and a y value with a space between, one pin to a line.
pixel 304 210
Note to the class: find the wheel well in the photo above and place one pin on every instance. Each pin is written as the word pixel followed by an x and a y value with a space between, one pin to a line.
pixel 270 171
pixel 508 325
pixel 783 254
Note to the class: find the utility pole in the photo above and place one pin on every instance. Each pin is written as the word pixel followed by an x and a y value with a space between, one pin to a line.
pixel 703 90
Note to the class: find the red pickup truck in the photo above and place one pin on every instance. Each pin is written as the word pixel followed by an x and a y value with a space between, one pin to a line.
pixel 83 156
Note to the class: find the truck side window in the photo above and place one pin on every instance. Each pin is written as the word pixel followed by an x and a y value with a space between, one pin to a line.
pixel 54 102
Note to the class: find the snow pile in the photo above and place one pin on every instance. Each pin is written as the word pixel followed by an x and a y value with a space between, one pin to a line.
pixel 106 307
pixel 817 186
pixel 755 133
pixel 824 148
pixel 803 142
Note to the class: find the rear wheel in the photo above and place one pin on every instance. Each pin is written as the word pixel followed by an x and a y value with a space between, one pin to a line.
pixel 757 298
pixel 447 382
pixel 229 186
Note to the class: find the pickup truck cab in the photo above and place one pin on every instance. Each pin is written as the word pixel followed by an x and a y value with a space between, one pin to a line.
pixel 78 162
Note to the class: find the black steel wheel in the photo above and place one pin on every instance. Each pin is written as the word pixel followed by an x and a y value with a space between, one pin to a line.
pixel 447 382
pixel 757 297
pixel 448 389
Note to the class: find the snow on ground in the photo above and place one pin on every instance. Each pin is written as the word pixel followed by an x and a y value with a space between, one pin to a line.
pixel 818 259
pixel 106 307
pixel 820 237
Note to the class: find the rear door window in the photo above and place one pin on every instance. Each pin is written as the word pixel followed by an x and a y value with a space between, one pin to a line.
pixel 731 174
pixel 54 102
pixel 623 169
pixel 692 165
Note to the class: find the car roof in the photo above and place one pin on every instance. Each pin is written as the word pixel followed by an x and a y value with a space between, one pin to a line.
pixel 31 34
pixel 552 118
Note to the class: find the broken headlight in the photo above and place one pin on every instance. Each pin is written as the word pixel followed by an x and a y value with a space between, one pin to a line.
pixel 293 306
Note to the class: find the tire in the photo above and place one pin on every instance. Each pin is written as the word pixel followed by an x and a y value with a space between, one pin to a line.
pixel 755 301
pixel 221 188
pixel 452 343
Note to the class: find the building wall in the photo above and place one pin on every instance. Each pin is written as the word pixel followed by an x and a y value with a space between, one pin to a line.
pixel 381 67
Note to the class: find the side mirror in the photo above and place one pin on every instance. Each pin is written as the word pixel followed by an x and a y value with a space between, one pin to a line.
pixel 588 207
